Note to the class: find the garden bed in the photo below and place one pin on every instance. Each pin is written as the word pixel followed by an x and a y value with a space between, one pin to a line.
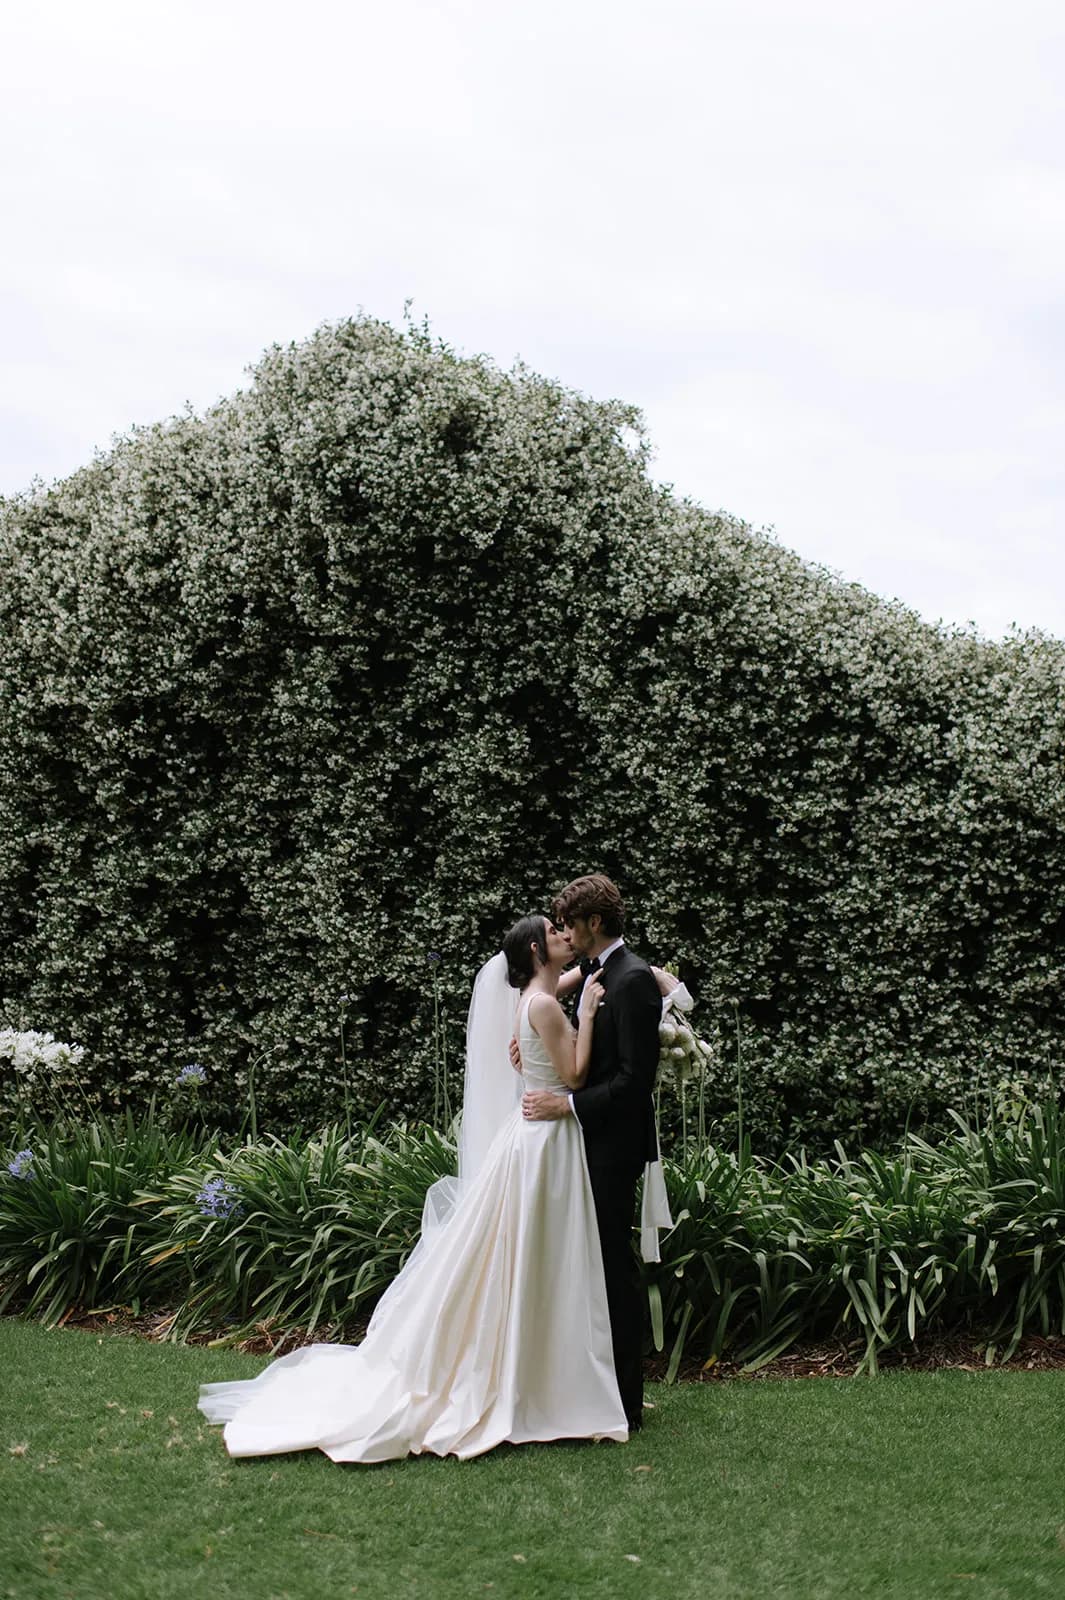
pixel 830 1359
pixel 950 1254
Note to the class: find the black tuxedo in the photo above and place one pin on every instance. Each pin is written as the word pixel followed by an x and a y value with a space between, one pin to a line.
pixel 616 1113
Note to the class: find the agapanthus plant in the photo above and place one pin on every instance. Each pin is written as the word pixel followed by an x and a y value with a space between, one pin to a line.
pixel 40 1066
pixel 218 1198
pixel 31 1053
pixel 21 1166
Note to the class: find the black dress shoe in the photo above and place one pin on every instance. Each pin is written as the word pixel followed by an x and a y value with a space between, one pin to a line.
pixel 635 1424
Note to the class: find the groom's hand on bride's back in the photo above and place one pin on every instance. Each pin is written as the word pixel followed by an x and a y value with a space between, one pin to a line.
pixel 544 1105
pixel 515 1054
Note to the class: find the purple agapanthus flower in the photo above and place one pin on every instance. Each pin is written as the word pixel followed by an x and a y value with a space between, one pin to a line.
pixel 193 1074
pixel 434 955
pixel 218 1198
pixel 22 1165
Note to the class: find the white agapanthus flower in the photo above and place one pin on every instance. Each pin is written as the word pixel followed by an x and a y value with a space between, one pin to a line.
pixel 30 1052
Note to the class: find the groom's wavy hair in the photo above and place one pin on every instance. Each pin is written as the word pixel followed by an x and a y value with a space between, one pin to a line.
pixel 593 895
pixel 518 948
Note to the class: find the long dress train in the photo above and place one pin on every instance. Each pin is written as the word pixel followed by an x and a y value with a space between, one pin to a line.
pixel 496 1330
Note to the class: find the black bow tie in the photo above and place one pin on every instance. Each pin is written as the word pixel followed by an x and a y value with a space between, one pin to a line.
pixel 588 967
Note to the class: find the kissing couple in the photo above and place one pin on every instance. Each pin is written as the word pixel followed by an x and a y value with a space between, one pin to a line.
pixel 518 1315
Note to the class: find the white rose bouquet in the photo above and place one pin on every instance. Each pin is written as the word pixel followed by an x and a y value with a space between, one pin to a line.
pixel 681 1052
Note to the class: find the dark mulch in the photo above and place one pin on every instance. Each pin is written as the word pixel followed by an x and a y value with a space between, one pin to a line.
pixel 264 1341
pixel 834 1359
pixel 838 1359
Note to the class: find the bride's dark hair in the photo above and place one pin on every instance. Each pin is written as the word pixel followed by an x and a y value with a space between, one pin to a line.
pixel 517 947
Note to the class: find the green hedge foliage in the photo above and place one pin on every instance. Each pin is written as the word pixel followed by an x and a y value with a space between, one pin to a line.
pixel 371 657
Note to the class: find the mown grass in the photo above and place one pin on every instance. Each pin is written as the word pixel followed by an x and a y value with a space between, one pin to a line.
pixel 910 1488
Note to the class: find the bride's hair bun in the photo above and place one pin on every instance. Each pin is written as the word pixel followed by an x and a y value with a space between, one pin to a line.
pixel 518 948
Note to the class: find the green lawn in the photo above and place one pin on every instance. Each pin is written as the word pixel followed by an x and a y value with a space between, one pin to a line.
pixel 909 1486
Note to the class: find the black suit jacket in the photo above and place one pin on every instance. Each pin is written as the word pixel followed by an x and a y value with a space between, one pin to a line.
pixel 616 1108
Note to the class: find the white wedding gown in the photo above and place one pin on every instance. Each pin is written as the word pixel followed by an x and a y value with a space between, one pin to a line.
pixel 496 1329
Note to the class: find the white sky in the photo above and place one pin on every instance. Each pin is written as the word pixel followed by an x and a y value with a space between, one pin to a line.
pixel 821 243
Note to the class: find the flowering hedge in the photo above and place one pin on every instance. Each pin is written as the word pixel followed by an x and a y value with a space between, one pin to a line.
pixel 373 655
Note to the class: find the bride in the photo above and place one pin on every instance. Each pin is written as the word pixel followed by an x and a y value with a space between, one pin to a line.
pixel 497 1327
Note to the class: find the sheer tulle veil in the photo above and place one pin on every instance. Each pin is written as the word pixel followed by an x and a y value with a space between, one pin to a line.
pixel 491 1090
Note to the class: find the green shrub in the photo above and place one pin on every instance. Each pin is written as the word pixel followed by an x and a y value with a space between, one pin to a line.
pixel 968 1233
pixel 375 654
pixel 293 1235
pixel 71 1230
pixel 883 1250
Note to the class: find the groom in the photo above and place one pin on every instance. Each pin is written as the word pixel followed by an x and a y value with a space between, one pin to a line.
pixel 615 1108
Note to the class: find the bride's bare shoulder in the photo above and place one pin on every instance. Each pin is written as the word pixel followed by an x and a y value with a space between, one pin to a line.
pixel 544 1010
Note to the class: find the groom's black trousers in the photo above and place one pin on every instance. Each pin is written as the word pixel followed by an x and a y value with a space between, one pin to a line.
pixel 614 1193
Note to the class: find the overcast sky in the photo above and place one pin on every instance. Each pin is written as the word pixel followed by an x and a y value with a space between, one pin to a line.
pixel 820 243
